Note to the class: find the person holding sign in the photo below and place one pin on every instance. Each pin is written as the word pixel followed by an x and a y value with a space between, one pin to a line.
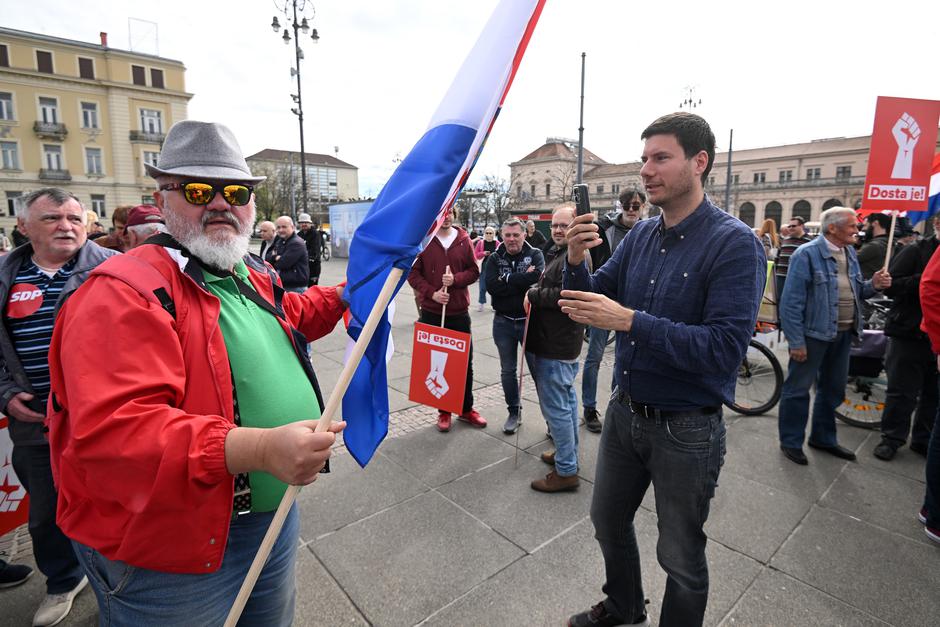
pixel 441 277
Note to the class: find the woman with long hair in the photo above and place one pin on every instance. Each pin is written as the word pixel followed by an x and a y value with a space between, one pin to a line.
pixel 767 234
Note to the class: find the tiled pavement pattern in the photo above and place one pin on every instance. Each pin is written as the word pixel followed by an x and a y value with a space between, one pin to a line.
pixel 442 529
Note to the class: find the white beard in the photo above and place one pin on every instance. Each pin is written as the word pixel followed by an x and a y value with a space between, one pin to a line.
pixel 220 250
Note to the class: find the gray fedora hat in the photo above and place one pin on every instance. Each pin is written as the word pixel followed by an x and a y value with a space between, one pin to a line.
pixel 204 150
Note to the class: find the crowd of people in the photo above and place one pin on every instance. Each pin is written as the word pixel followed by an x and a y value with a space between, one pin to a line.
pixel 173 471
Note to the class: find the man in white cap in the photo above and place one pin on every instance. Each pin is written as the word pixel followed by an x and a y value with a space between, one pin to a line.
pixel 313 239
pixel 167 483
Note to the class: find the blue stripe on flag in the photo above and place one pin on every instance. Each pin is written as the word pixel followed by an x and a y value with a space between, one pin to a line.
pixel 392 234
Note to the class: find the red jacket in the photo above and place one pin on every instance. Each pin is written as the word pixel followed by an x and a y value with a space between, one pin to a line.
pixel 426 273
pixel 139 455
pixel 930 300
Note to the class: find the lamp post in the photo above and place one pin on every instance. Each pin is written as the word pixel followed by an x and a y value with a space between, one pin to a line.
pixel 291 9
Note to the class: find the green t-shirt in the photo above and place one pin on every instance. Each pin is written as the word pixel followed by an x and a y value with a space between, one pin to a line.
pixel 270 383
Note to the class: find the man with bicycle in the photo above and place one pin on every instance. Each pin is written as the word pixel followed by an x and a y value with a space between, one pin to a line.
pixel 682 291
pixel 820 313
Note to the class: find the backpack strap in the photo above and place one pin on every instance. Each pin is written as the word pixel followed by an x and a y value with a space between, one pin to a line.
pixel 141 276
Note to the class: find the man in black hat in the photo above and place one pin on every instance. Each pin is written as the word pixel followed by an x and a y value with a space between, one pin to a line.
pixel 161 472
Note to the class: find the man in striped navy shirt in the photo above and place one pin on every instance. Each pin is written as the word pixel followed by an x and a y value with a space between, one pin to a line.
pixel 35 279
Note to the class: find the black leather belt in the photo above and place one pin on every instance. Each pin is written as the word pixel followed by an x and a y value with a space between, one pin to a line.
pixel 648 411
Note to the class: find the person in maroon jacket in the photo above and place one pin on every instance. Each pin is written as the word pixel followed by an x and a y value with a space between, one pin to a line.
pixel 441 276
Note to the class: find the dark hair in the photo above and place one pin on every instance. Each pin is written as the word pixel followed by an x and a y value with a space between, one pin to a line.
pixel 882 219
pixel 799 219
pixel 627 195
pixel 691 131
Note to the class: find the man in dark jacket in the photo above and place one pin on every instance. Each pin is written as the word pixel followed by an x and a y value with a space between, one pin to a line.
pixel 534 236
pixel 441 277
pixel 554 343
pixel 510 271
pixel 909 363
pixel 311 237
pixel 871 256
pixel 289 256
pixel 612 230
pixel 35 279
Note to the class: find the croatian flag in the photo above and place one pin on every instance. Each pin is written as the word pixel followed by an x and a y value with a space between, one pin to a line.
pixel 411 206
pixel 933 201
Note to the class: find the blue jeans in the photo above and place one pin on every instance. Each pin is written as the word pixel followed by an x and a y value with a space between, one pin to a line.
pixel 51 548
pixel 826 365
pixel 681 457
pixel 932 471
pixel 507 335
pixel 559 403
pixel 128 595
pixel 597 343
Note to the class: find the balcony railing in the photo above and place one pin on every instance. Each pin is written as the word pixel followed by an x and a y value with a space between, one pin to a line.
pixel 796 184
pixel 55 175
pixel 143 136
pixel 45 130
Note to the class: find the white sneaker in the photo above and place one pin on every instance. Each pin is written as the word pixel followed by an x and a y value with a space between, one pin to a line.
pixel 55 607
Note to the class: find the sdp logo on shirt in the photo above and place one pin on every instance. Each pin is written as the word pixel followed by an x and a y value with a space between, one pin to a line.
pixel 24 300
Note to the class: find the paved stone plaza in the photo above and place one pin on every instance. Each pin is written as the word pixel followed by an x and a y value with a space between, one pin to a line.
pixel 443 529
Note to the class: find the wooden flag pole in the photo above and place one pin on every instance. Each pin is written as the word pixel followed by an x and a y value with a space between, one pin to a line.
pixel 326 418
pixel 444 306
pixel 894 219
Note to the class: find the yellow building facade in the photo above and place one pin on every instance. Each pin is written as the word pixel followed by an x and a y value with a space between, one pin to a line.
pixel 84 117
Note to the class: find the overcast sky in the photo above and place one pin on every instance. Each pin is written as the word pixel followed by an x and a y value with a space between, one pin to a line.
pixel 782 72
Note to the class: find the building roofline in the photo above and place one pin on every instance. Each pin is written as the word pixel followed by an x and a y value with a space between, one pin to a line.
pixel 81 44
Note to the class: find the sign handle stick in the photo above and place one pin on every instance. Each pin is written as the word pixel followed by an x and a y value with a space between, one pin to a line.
pixel 525 334
pixel 444 306
pixel 894 219
pixel 336 397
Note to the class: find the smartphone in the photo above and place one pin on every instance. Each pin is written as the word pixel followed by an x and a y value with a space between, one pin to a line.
pixel 581 199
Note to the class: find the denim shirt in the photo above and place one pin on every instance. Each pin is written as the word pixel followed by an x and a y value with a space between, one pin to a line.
pixel 809 305
pixel 695 288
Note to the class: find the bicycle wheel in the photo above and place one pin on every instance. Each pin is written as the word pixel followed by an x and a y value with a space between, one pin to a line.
pixel 864 402
pixel 760 379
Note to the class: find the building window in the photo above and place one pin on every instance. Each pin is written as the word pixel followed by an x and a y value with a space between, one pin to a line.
pixel 156 78
pixel 86 67
pixel 52 156
pixel 90 115
pixel 786 175
pixel 615 188
pixel 93 163
pixel 6 106
pixel 49 110
pixel 97 205
pixel 519 190
pixel 12 201
pixel 151 121
pixel 548 190
pixel 9 158
pixel 600 189
pixel 760 177
pixel 813 173
pixel 138 75
pixel 532 190
pixel 4 56
pixel 736 179
pixel 147 200
pixel 151 158
pixel 843 171
pixel 44 61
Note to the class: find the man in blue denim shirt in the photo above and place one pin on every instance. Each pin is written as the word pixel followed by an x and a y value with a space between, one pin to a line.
pixel 820 313
pixel 682 292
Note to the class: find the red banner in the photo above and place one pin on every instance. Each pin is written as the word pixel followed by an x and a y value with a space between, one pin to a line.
pixel 14 504
pixel 902 148
pixel 439 363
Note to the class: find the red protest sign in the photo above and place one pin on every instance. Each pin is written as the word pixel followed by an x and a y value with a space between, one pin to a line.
pixel 14 503
pixel 902 147
pixel 439 364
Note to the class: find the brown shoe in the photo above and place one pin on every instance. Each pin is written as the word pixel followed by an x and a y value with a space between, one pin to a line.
pixel 443 421
pixel 553 482
pixel 548 457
